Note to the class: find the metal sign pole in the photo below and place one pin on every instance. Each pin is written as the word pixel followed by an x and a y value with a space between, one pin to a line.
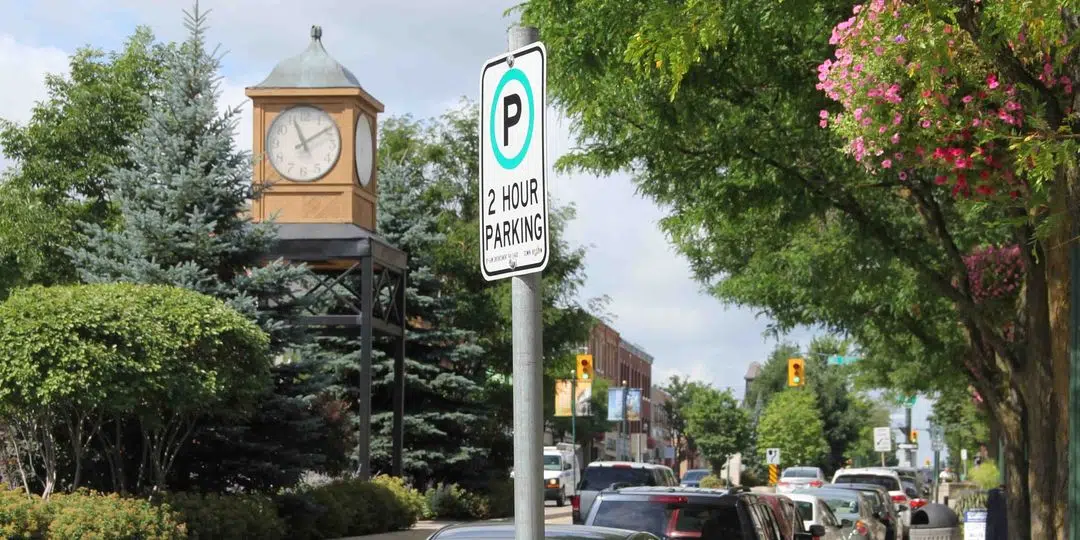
pixel 528 382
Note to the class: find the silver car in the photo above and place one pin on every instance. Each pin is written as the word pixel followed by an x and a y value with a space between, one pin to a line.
pixel 505 531
pixel 793 478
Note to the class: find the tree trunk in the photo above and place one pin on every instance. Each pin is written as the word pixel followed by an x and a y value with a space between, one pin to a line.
pixel 1011 421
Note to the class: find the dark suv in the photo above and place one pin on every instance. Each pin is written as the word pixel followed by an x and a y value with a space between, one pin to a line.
pixel 681 512
pixel 601 475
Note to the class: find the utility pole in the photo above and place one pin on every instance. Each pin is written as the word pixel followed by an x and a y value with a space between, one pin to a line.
pixel 913 453
pixel 528 380
pixel 625 420
pixel 1073 511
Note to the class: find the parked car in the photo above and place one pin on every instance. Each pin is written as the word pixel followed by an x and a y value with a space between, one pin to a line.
pixel 793 478
pixel 883 508
pixel 787 517
pixel 692 477
pixel 913 476
pixel 853 509
pixel 669 513
pixel 600 475
pixel 505 531
pixel 886 478
pixel 813 511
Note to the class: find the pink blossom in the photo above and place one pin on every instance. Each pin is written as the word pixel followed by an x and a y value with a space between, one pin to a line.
pixel 823 114
pixel 967 99
pixel 823 123
pixel 878 50
pixel 895 139
pixel 896 119
pixel 992 81
pixel 887 163
pixel 925 123
pixel 903 175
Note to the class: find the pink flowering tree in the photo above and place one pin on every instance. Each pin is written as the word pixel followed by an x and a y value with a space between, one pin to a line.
pixel 969 105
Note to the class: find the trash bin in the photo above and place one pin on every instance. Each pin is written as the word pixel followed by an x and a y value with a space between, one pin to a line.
pixel 935 522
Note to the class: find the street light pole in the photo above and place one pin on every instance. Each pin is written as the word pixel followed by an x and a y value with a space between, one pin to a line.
pixel 625 420
pixel 1073 511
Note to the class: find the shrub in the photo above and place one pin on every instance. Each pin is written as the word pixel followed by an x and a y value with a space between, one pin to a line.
pixel 22 516
pixel 711 482
pixel 414 501
pixel 301 514
pixel 501 499
pixel 346 507
pixel 212 516
pixel 986 475
pixel 92 515
pixel 969 500
pixel 449 501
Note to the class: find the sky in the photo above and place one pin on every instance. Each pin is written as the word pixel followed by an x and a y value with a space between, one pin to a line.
pixel 422 57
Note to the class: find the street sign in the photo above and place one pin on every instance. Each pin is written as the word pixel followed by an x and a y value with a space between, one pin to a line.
pixel 772 456
pixel 975 524
pixel 773 474
pixel 837 360
pixel 883 439
pixel 906 401
pixel 963 454
pixel 513 163
pixel 907 446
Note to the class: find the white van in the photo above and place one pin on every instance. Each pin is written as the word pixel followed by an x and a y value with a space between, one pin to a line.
pixel 562 471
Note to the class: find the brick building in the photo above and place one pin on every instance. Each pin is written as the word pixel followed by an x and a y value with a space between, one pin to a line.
pixel 618 361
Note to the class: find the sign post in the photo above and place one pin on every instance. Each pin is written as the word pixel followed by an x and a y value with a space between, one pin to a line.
pixel 883 441
pixel 514 242
pixel 772 458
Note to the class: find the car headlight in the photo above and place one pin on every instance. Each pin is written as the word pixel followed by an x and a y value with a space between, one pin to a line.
pixel 553 482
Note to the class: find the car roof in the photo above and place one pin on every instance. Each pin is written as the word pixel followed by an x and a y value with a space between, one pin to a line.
pixel 861 487
pixel 837 491
pixel 804 497
pixel 625 464
pixel 877 471
pixel 504 530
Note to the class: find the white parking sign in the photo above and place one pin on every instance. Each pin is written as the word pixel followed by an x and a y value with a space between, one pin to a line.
pixel 772 456
pixel 513 164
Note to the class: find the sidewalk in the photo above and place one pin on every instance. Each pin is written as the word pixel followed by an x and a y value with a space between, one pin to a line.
pixel 424 529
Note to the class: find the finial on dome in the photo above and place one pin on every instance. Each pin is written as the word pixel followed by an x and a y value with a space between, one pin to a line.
pixel 316 32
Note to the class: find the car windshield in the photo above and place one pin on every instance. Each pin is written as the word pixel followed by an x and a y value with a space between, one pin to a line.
pixel 888 482
pixel 800 473
pixel 671 520
pixel 552 463
pixel 600 478
pixel 844 507
pixel 694 476
pixel 806 510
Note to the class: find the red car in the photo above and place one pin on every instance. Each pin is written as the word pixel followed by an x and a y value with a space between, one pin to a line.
pixel 787 516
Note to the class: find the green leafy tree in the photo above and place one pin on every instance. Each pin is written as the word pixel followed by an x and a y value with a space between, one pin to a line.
pixel 680 389
pixel 872 414
pixel 792 423
pixel 63 154
pixel 444 151
pixel 719 426
pixel 183 198
pixel 831 386
pixel 961 419
pixel 158 355
pixel 721 126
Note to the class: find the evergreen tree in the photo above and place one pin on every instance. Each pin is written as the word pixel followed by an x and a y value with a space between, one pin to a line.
pixel 183 202
pixel 443 406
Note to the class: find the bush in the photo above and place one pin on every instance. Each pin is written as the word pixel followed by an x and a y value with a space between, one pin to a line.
pixel 986 475
pixel 414 501
pixel 347 507
pixel 501 499
pixel 711 482
pixel 969 500
pixel 214 516
pixel 111 517
pixel 22 516
pixel 449 501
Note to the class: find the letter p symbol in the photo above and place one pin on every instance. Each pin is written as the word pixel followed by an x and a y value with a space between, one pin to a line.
pixel 510 100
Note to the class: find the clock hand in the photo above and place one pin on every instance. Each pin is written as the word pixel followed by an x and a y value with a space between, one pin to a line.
pixel 303 142
pixel 301 135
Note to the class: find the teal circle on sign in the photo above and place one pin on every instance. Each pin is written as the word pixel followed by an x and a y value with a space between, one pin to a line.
pixel 509 163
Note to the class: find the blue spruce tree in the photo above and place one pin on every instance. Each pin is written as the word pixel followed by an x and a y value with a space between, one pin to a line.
pixel 443 408
pixel 183 206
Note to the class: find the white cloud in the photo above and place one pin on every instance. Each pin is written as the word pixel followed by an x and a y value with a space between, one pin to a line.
pixel 24 68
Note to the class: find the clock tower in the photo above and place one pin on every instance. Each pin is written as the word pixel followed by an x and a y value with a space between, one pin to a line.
pixel 314 143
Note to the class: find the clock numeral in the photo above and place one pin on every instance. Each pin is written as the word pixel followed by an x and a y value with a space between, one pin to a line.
pixel 282 128
pixel 305 116
pixel 291 166
pixel 303 171
pixel 279 155
pixel 329 157
pixel 276 143
pixel 318 168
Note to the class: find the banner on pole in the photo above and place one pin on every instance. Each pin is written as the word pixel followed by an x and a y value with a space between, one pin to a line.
pixel 633 405
pixel 615 404
pixel 562 398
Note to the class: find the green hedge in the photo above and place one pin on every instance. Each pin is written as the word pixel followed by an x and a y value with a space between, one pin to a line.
pixel 711 482
pixel 337 509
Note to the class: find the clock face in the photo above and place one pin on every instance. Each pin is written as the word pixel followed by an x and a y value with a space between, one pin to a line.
pixel 303 143
pixel 365 150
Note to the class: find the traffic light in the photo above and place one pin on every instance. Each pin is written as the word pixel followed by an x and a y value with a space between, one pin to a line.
pixel 796 372
pixel 584 367
pixel 914 436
